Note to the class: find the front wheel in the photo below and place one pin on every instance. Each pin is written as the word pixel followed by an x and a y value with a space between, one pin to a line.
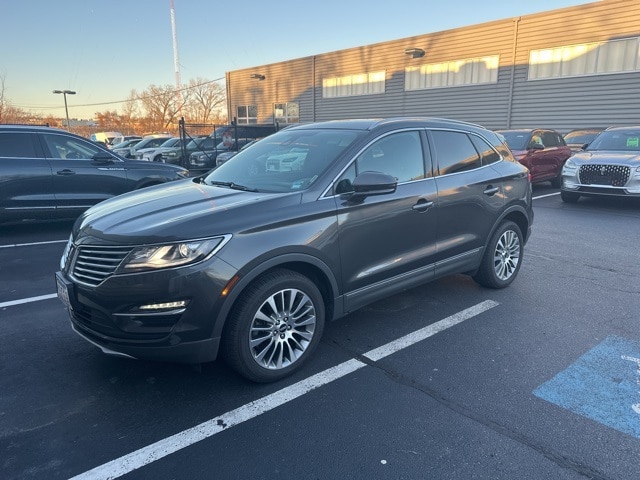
pixel 274 327
pixel 502 257
pixel 569 197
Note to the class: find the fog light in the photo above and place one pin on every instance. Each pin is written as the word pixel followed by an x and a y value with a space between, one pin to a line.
pixel 164 306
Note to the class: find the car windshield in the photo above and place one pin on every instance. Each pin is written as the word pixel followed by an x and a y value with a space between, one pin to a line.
pixel 627 140
pixel 172 142
pixel 517 140
pixel 580 137
pixel 200 143
pixel 287 161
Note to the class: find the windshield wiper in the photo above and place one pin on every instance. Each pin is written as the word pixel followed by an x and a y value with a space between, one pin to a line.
pixel 233 185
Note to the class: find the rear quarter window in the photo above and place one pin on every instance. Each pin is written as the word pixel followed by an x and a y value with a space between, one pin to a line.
pixel 17 145
pixel 454 152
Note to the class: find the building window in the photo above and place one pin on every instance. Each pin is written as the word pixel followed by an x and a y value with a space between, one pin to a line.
pixel 247 114
pixel 470 71
pixel 352 85
pixel 613 56
pixel 286 112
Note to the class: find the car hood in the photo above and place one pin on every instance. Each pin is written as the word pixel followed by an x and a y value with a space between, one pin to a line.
pixel 607 157
pixel 175 211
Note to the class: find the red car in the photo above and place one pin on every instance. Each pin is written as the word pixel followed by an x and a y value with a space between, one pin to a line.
pixel 542 151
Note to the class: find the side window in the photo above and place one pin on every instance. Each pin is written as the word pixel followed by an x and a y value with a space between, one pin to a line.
pixel 549 139
pixel 61 146
pixel 454 152
pixel 536 139
pixel 487 154
pixel 399 155
pixel 17 145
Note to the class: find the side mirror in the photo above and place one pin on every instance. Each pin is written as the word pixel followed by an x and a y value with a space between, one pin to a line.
pixel 370 183
pixel 102 158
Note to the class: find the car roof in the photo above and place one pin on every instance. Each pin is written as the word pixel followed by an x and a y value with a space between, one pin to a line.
pixel 527 130
pixel 396 122
pixel 629 127
pixel 39 128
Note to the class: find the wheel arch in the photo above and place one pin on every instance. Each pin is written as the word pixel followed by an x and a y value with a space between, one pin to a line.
pixel 311 267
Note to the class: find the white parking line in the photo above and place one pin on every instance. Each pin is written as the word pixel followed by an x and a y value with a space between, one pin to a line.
pixel 28 300
pixel 14 245
pixel 156 451
pixel 547 195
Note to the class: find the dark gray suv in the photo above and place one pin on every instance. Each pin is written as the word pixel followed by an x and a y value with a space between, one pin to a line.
pixel 48 173
pixel 307 225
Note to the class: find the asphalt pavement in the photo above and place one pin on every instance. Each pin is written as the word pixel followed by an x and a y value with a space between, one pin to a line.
pixel 446 381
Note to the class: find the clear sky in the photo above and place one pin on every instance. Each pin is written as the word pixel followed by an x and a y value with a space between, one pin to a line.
pixel 104 49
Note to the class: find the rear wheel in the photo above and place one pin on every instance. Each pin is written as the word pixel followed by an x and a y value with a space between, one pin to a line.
pixel 274 327
pixel 569 197
pixel 502 257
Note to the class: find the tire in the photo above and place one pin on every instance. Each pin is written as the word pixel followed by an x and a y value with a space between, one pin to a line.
pixel 569 197
pixel 502 258
pixel 556 182
pixel 274 327
pixel 158 158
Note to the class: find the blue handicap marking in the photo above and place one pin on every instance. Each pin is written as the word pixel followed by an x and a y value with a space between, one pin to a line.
pixel 603 385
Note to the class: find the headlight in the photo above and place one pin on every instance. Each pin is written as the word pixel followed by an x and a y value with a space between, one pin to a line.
pixel 155 257
pixel 65 254
pixel 569 166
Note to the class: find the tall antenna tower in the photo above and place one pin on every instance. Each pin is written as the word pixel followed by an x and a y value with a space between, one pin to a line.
pixel 176 60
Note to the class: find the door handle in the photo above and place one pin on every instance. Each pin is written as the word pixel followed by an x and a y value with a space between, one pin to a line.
pixel 422 206
pixel 66 172
pixel 491 191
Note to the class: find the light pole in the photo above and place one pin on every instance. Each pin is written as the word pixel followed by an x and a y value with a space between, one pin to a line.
pixel 66 109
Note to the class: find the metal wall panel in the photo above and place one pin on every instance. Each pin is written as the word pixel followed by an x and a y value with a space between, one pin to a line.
pixel 513 102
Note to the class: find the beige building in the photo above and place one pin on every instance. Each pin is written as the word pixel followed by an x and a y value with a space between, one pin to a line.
pixel 566 68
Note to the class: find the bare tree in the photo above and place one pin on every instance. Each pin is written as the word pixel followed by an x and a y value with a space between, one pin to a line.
pixel 3 101
pixel 162 105
pixel 206 98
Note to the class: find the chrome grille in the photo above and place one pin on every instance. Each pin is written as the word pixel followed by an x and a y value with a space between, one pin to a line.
pixel 613 175
pixel 92 265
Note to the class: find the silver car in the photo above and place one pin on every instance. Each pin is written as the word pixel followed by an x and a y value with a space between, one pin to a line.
pixel 610 165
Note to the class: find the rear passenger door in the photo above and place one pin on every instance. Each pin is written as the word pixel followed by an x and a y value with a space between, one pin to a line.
pixel 26 179
pixel 470 197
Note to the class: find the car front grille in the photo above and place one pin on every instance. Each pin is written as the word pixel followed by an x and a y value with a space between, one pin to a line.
pixel 92 265
pixel 613 175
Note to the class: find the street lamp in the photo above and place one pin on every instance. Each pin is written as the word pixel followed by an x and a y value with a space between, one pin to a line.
pixel 66 109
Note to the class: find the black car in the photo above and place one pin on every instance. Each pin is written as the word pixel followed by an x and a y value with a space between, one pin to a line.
pixel 48 173
pixel 179 155
pixel 222 139
pixel 307 225
pixel 207 159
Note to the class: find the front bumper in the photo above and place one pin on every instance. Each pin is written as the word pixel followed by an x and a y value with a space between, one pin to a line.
pixel 114 315
pixel 601 179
